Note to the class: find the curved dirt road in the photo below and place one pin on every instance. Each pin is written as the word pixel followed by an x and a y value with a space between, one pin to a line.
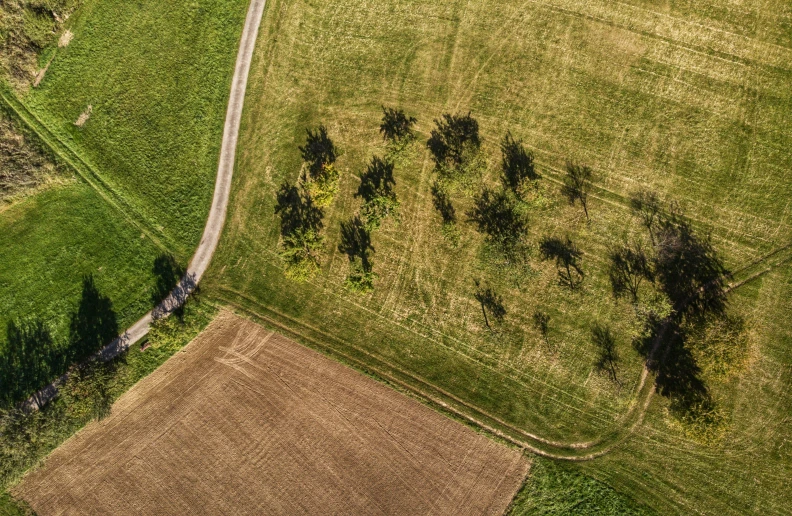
pixel 214 224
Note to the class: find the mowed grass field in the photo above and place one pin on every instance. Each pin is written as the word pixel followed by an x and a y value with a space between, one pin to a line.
pixel 692 102
pixel 157 77
pixel 245 421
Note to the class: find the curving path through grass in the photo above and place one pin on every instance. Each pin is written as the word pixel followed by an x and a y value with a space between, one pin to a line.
pixel 217 213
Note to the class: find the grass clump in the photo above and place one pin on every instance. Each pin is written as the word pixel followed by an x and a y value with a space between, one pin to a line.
pixel 554 488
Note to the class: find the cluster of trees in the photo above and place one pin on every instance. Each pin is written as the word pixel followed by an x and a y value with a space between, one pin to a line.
pixel 300 206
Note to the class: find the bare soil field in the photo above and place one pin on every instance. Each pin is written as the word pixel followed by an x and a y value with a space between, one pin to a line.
pixel 245 421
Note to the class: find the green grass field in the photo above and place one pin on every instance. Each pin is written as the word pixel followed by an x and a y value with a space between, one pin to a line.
pixel 157 77
pixel 689 101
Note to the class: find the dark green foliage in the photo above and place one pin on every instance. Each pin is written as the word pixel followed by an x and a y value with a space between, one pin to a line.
pixel 689 270
pixel 376 189
pixel 9 506
pixel 517 164
pixel 490 302
pixel 454 140
pixel 356 244
pixel 28 361
pixel 629 266
pixel 607 355
pixel 561 489
pixel 319 152
pixel 94 324
pixel 301 224
pixel 567 257
pixel 577 184
pixel 396 127
pixel 496 214
pixel 646 204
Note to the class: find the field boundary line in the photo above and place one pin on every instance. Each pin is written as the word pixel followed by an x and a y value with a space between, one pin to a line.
pixel 86 172
pixel 630 420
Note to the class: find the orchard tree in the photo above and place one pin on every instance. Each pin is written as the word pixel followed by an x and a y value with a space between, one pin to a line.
pixel 577 184
pixel 496 214
pixel 376 190
pixel 356 244
pixel 300 229
pixel 567 257
pixel 454 142
pixel 517 164
pixel 629 266
pixel 490 303
pixel 542 323
pixel 396 127
pixel 319 155
pixel 689 270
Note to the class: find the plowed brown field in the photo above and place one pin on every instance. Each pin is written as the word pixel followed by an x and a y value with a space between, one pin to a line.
pixel 245 421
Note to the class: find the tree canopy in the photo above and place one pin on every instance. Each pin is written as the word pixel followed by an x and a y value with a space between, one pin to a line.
pixel 376 189
pixel 319 152
pixel 301 224
pixel 517 164
pixel 454 140
pixel 496 214
pixel 397 127
pixel 567 257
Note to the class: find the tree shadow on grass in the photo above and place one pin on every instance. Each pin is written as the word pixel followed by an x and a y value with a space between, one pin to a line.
pixel 94 324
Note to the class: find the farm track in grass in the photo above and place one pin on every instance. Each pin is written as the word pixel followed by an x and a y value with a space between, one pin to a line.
pixel 445 401
pixel 688 101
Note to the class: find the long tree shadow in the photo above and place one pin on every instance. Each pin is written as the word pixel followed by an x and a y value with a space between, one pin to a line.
pixel 172 288
pixel 28 361
pixel 356 242
pixel 94 324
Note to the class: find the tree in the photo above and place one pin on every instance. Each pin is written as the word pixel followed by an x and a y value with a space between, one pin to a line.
pixel 496 214
pixel 566 255
pixel 301 224
pixel 629 266
pixel 689 270
pixel 396 127
pixel 577 184
pixel 454 142
pixel 607 356
pixel 490 302
pixel 541 322
pixel 356 244
pixel 167 272
pixel 319 152
pixel 647 205
pixel 376 189
pixel 517 164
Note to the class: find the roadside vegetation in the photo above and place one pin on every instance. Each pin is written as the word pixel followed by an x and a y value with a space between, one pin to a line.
pixel 88 394
pixel 557 222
